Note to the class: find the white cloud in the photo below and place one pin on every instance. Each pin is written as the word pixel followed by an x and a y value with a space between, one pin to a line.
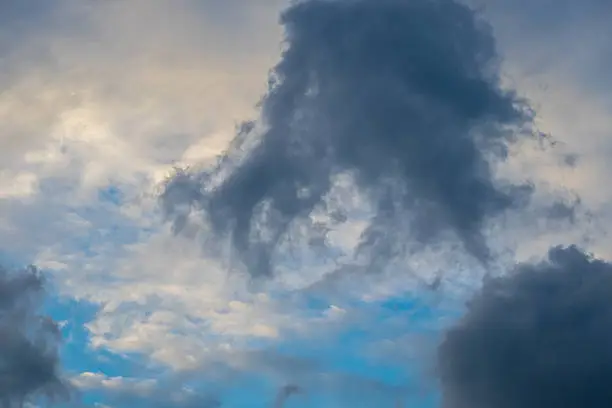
pixel 92 97
pixel 89 380
pixel 114 101
pixel 164 298
pixel 132 391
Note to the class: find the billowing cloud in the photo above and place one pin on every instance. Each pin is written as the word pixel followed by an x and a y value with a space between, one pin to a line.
pixel 404 96
pixel 29 360
pixel 538 337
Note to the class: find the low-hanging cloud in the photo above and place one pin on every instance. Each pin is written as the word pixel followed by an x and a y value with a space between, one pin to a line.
pixel 29 360
pixel 538 337
pixel 403 95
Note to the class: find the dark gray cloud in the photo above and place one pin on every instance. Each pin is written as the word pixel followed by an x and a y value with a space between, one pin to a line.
pixel 539 337
pixel 29 361
pixel 404 95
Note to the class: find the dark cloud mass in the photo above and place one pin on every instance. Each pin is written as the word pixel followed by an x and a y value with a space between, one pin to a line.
pixel 403 95
pixel 29 361
pixel 539 337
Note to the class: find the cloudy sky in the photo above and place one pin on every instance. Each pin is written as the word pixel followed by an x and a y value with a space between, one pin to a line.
pixel 259 203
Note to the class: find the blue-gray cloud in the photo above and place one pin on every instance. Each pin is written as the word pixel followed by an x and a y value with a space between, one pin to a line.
pixel 29 360
pixel 538 337
pixel 404 95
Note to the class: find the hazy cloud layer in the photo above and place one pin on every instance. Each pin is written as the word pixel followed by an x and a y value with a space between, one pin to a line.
pixel 538 337
pixel 29 362
pixel 402 95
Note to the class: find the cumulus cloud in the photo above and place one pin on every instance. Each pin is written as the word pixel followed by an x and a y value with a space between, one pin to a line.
pixel 538 337
pixel 402 95
pixel 29 360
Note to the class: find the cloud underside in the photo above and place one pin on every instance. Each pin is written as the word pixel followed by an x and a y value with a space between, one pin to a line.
pixel 538 337
pixel 402 96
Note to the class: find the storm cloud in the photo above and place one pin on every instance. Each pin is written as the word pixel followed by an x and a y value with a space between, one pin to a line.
pixel 29 361
pixel 538 337
pixel 402 95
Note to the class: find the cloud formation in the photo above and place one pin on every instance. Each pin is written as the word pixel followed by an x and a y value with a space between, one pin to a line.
pixel 112 118
pixel 538 337
pixel 155 393
pixel 402 95
pixel 29 361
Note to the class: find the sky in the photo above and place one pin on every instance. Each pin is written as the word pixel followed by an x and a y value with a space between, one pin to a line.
pixel 315 203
